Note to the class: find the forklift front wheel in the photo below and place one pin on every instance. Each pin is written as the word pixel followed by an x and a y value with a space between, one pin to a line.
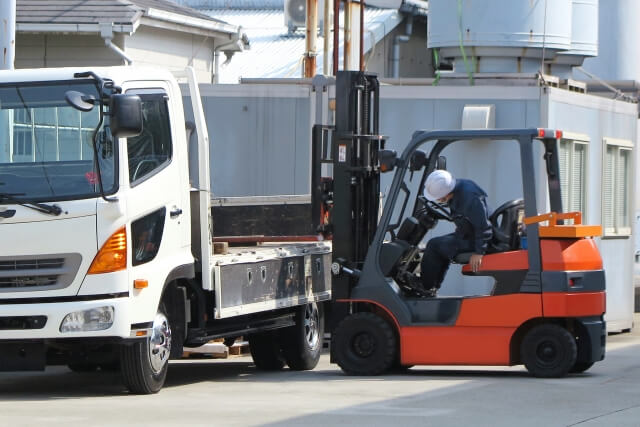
pixel 364 344
pixel 549 351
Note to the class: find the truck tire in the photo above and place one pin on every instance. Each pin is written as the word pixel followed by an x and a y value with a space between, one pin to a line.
pixel 302 343
pixel 265 351
pixel 549 351
pixel 580 367
pixel 144 364
pixel 93 367
pixel 364 344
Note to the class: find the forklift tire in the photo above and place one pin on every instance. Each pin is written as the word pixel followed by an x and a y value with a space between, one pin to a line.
pixel 364 344
pixel 580 367
pixel 144 364
pixel 265 351
pixel 302 343
pixel 549 351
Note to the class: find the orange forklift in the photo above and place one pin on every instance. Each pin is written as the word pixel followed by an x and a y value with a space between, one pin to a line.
pixel 546 306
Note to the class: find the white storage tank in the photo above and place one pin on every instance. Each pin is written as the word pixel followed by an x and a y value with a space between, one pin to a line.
pixel 584 38
pixel 498 35
pixel 619 32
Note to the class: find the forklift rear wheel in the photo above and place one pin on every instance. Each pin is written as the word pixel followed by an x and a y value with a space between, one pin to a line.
pixel 364 344
pixel 265 351
pixel 580 367
pixel 302 343
pixel 144 364
pixel 549 351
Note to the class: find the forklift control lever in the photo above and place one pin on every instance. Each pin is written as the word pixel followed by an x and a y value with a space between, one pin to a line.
pixel 337 268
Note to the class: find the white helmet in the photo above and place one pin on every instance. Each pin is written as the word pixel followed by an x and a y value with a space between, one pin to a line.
pixel 439 184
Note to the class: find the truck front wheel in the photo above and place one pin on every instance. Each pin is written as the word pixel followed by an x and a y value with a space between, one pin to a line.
pixel 144 364
pixel 302 343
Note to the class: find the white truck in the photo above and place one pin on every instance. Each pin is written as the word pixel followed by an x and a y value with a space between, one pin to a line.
pixel 106 255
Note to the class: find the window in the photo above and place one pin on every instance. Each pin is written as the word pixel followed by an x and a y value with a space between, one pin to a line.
pixel 52 134
pixel 616 186
pixel 572 156
pixel 146 235
pixel 150 151
pixel 47 152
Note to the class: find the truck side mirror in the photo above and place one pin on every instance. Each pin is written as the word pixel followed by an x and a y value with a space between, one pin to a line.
pixel 441 163
pixel 126 115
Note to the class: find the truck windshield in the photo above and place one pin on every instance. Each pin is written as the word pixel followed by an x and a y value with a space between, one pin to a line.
pixel 46 151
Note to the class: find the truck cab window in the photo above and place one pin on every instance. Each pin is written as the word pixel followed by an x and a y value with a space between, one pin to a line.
pixel 150 151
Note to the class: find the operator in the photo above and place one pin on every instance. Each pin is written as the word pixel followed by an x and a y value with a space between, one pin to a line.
pixel 467 202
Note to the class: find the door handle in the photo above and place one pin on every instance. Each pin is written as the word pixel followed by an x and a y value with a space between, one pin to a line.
pixel 175 213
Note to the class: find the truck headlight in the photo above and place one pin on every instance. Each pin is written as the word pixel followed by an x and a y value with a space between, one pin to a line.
pixel 95 319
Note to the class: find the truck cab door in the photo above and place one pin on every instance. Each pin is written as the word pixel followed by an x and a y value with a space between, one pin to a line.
pixel 155 198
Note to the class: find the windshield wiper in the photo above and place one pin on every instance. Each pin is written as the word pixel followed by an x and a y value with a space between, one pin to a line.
pixel 40 207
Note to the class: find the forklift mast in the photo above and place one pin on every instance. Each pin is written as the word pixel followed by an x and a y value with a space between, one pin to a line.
pixel 346 205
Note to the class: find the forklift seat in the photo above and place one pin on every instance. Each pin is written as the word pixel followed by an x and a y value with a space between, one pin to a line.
pixel 504 224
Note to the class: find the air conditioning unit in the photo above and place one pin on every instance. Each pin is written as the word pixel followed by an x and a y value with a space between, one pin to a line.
pixel 295 14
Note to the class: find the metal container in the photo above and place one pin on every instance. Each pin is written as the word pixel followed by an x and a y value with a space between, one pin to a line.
pixel 584 38
pixel 498 35
pixel 618 34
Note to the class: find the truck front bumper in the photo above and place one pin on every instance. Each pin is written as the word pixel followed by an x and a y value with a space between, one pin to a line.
pixel 42 320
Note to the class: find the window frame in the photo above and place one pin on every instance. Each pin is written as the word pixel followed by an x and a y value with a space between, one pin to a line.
pixel 574 139
pixel 617 230
pixel 161 94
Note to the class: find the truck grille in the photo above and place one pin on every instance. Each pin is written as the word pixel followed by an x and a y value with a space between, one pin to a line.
pixel 31 264
pixel 38 273
pixel 26 281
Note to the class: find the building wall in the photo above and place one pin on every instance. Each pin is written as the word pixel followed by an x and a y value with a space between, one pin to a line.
pixel 172 50
pixel 603 118
pixel 147 47
pixel 415 58
pixel 38 50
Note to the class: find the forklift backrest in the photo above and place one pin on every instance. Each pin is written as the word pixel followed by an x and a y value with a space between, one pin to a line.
pixel 504 224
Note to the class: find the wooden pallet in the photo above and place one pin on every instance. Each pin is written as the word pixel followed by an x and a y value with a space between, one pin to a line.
pixel 217 350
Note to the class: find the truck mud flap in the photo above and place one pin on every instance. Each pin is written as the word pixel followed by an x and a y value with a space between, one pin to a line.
pixel 20 356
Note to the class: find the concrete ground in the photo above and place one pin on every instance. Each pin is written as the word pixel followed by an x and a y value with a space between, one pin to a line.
pixel 233 393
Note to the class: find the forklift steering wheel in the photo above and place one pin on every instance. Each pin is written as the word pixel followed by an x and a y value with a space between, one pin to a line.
pixel 437 210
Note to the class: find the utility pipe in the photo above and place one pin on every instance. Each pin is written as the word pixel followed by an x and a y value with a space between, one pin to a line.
pixel 106 32
pixel 327 28
pixel 8 14
pixel 311 39
pixel 236 41
pixel 336 35
pixel 347 35
pixel 395 59
pixel 361 35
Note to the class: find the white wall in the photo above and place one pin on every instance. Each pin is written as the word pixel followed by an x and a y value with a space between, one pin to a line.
pixel 147 46
pixel 63 50
pixel 172 50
